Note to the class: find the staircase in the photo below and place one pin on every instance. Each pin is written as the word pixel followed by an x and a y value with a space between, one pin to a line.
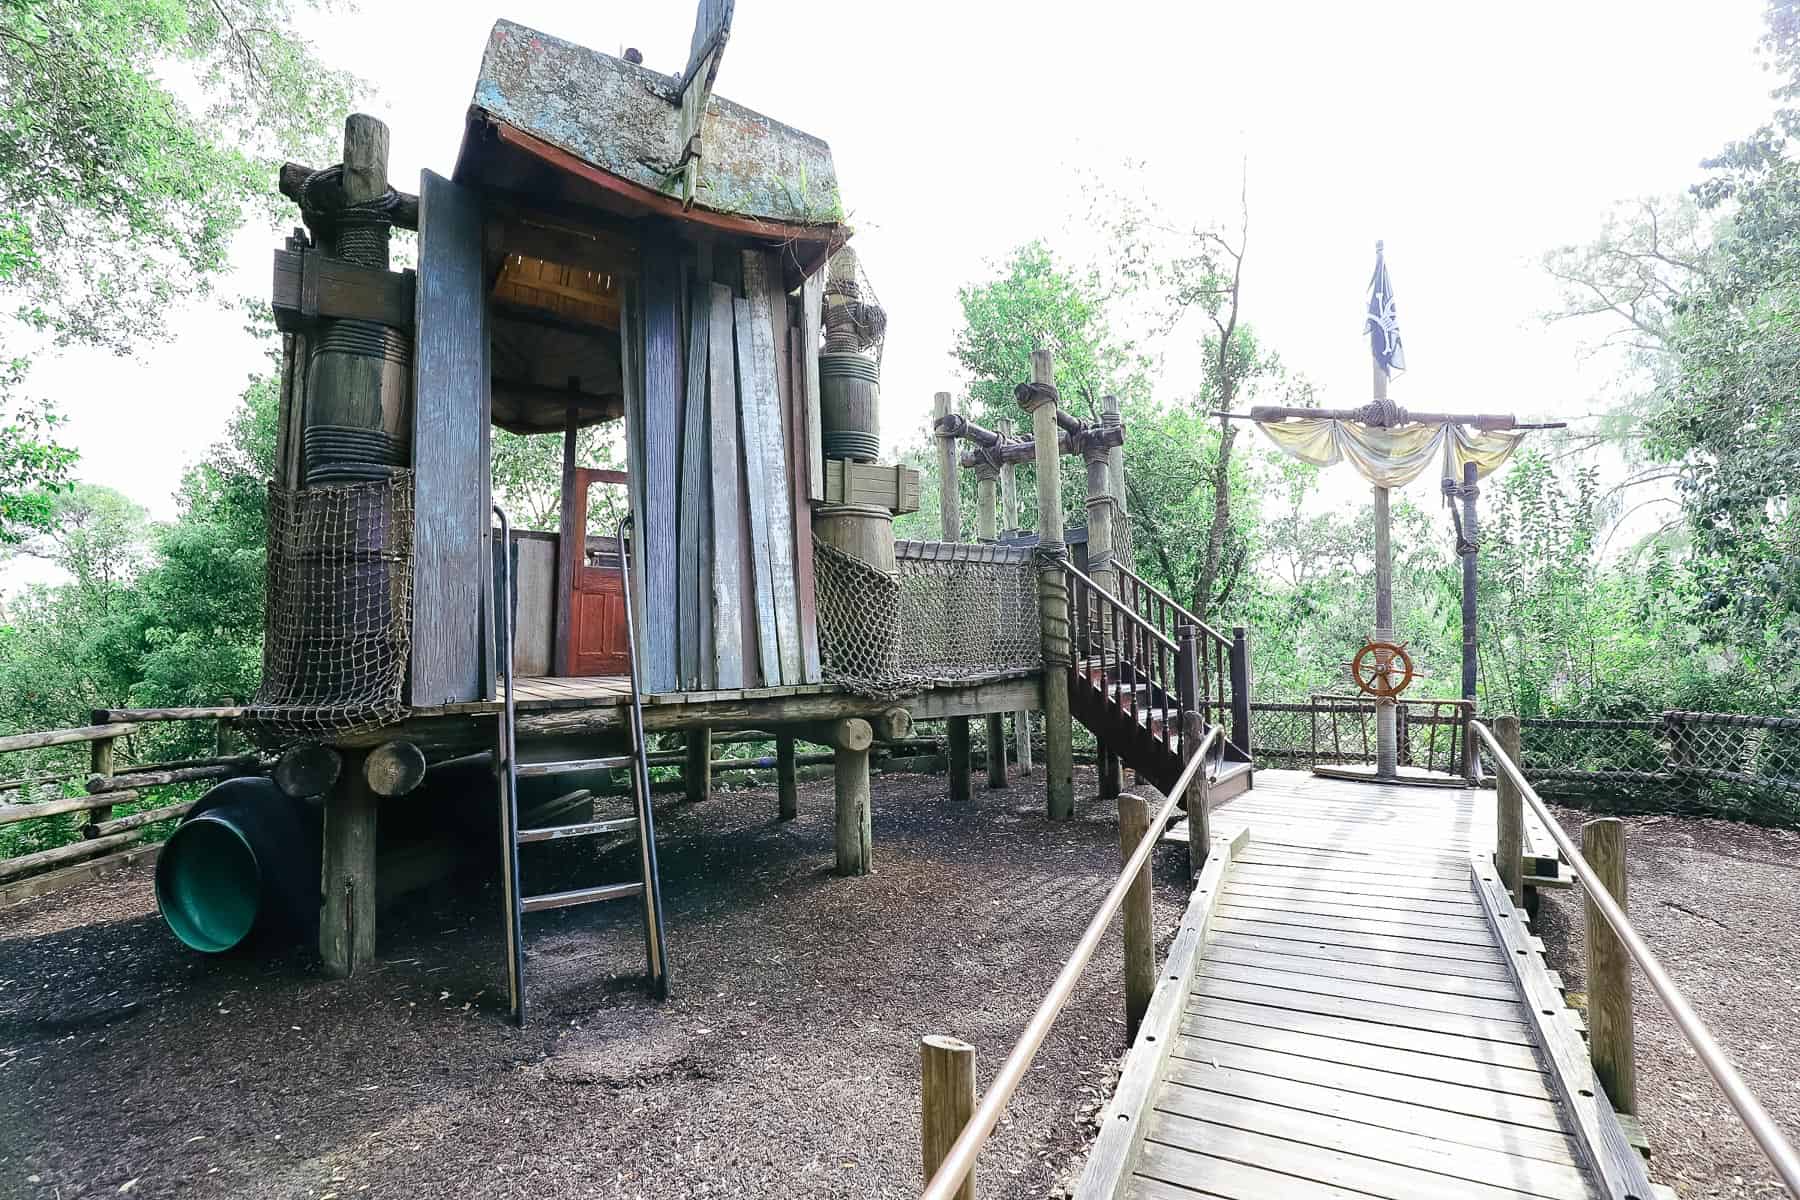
pixel 647 887
pixel 1140 661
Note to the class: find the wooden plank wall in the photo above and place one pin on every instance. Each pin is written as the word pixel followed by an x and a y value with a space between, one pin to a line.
pixel 451 417
pixel 719 432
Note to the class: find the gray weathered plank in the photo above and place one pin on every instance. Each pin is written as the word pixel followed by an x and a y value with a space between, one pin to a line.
pixel 812 293
pixel 762 387
pixel 696 492
pixel 762 564
pixel 1422 980
pixel 659 536
pixel 1322 978
pixel 451 407
pixel 728 584
pixel 1366 1010
pixel 1371 1033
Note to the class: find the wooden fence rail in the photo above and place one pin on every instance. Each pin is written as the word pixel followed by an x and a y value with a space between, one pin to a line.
pixel 106 842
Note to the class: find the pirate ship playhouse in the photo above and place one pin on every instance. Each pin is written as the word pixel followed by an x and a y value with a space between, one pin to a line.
pixel 614 244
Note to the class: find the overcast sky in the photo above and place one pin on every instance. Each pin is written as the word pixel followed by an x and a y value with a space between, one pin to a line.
pixel 1471 137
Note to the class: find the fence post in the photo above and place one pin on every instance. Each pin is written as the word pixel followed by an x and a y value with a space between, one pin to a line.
pixel 1240 690
pixel 946 1101
pixel 100 762
pixel 1199 815
pixel 1187 668
pixel 696 775
pixel 1509 821
pixel 1140 938
pixel 1610 1034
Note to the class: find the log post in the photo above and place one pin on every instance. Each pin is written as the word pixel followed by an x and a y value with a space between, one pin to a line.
pixel 785 785
pixel 1102 570
pixel 850 739
pixel 394 768
pixel 1009 514
pixel 946 1101
pixel 1053 591
pixel 696 775
pixel 1193 728
pixel 1140 938
pixel 308 769
pixel 949 489
pixel 100 762
pixel 1609 1015
pixel 1509 820
pixel 960 758
pixel 1115 462
pixel 347 875
pixel 987 529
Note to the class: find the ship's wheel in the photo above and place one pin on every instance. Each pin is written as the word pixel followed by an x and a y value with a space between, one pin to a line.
pixel 1382 669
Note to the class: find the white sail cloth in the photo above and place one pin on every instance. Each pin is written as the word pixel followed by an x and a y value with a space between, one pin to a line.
pixel 1397 456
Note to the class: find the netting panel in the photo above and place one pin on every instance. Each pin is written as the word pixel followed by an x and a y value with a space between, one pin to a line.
pixel 338 625
pixel 950 612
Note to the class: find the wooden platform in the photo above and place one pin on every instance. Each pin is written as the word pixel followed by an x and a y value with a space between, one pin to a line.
pixel 1354 1009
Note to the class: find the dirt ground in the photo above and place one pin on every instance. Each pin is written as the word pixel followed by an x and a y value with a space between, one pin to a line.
pixel 1719 903
pixel 786 1063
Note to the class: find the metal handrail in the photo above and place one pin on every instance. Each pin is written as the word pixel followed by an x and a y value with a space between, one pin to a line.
pixel 1750 1110
pixel 1126 609
pixel 655 948
pixel 961 1158
pixel 1184 614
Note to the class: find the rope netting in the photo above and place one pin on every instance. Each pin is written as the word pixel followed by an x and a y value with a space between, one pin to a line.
pixel 339 616
pixel 950 612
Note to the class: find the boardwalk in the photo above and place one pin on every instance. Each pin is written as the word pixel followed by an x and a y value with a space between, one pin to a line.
pixel 1346 1014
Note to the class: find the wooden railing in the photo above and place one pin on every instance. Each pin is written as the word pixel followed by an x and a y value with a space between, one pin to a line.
pixel 948 1170
pixel 1148 675
pixel 1610 938
pixel 105 840
pixel 1223 694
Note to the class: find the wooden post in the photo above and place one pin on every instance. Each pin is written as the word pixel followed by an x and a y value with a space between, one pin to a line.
pixel 1509 822
pixel 949 489
pixel 987 529
pixel 1009 514
pixel 347 875
pixel 1104 572
pixel 1609 1016
pixel 100 762
pixel 1140 938
pixel 696 776
pixel 1241 731
pixel 1386 741
pixel 1471 551
pixel 851 739
pixel 1115 462
pixel 1199 811
pixel 1053 594
pixel 568 554
pixel 960 759
pixel 946 1101
pixel 785 785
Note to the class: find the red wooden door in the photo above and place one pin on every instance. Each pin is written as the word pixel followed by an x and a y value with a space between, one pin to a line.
pixel 597 642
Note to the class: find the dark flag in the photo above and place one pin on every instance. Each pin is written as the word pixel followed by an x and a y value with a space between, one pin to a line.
pixel 1382 322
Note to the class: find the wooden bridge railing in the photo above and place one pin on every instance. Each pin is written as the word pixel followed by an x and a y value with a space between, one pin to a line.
pixel 1611 937
pixel 948 1171
pixel 1224 661
pixel 105 840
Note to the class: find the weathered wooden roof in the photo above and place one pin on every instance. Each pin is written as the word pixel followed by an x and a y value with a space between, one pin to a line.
pixel 616 116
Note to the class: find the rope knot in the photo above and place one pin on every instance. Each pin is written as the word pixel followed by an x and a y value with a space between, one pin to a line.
pixel 1031 394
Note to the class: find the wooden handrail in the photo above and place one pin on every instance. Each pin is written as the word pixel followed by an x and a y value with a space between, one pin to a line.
pixel 1756 1118
pixel 63 737
pixel 961 1159
pixel 1184 614
pixel 1124 609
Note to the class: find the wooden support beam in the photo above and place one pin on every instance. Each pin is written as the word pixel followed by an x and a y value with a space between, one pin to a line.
pixel 696 774
pixel 946 1101
pixel 308 287
pixel 1053 599
pixel 347 874
pixel 99 731
pixel 1009 520
pixel 293 177
pixel 960 759
pixel 394 768
pixel 786 786
pixel 854 831
pixel 100 766
pixel 1609 1014
pixel 949 489
pixel 1011 453
pixel 308 769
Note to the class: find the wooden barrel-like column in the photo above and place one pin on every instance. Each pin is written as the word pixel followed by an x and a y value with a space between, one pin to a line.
pixel 1009 516
pixel 1053 591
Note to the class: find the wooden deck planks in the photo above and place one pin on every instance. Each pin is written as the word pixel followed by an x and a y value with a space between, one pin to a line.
pixel 1354 1026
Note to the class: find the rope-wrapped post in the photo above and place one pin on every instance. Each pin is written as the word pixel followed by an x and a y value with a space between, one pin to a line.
pixel 1102 570
pixel 1009 516
pixel 1115 461
pixel 987 529
pixel 1039 399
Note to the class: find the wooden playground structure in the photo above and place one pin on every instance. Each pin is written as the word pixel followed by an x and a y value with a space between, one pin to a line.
pixel 1353 1002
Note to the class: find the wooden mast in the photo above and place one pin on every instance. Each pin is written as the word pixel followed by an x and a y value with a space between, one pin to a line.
pixel 1386 709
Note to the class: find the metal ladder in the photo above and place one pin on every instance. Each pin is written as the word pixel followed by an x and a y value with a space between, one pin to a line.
pixel 649 885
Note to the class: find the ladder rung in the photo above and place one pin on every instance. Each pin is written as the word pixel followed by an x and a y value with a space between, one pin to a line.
pixel 593 895
pixel 570 766
pixel 551 833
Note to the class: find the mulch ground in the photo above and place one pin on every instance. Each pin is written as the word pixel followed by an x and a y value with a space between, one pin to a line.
pixel 786 1063
pixel 1719 903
